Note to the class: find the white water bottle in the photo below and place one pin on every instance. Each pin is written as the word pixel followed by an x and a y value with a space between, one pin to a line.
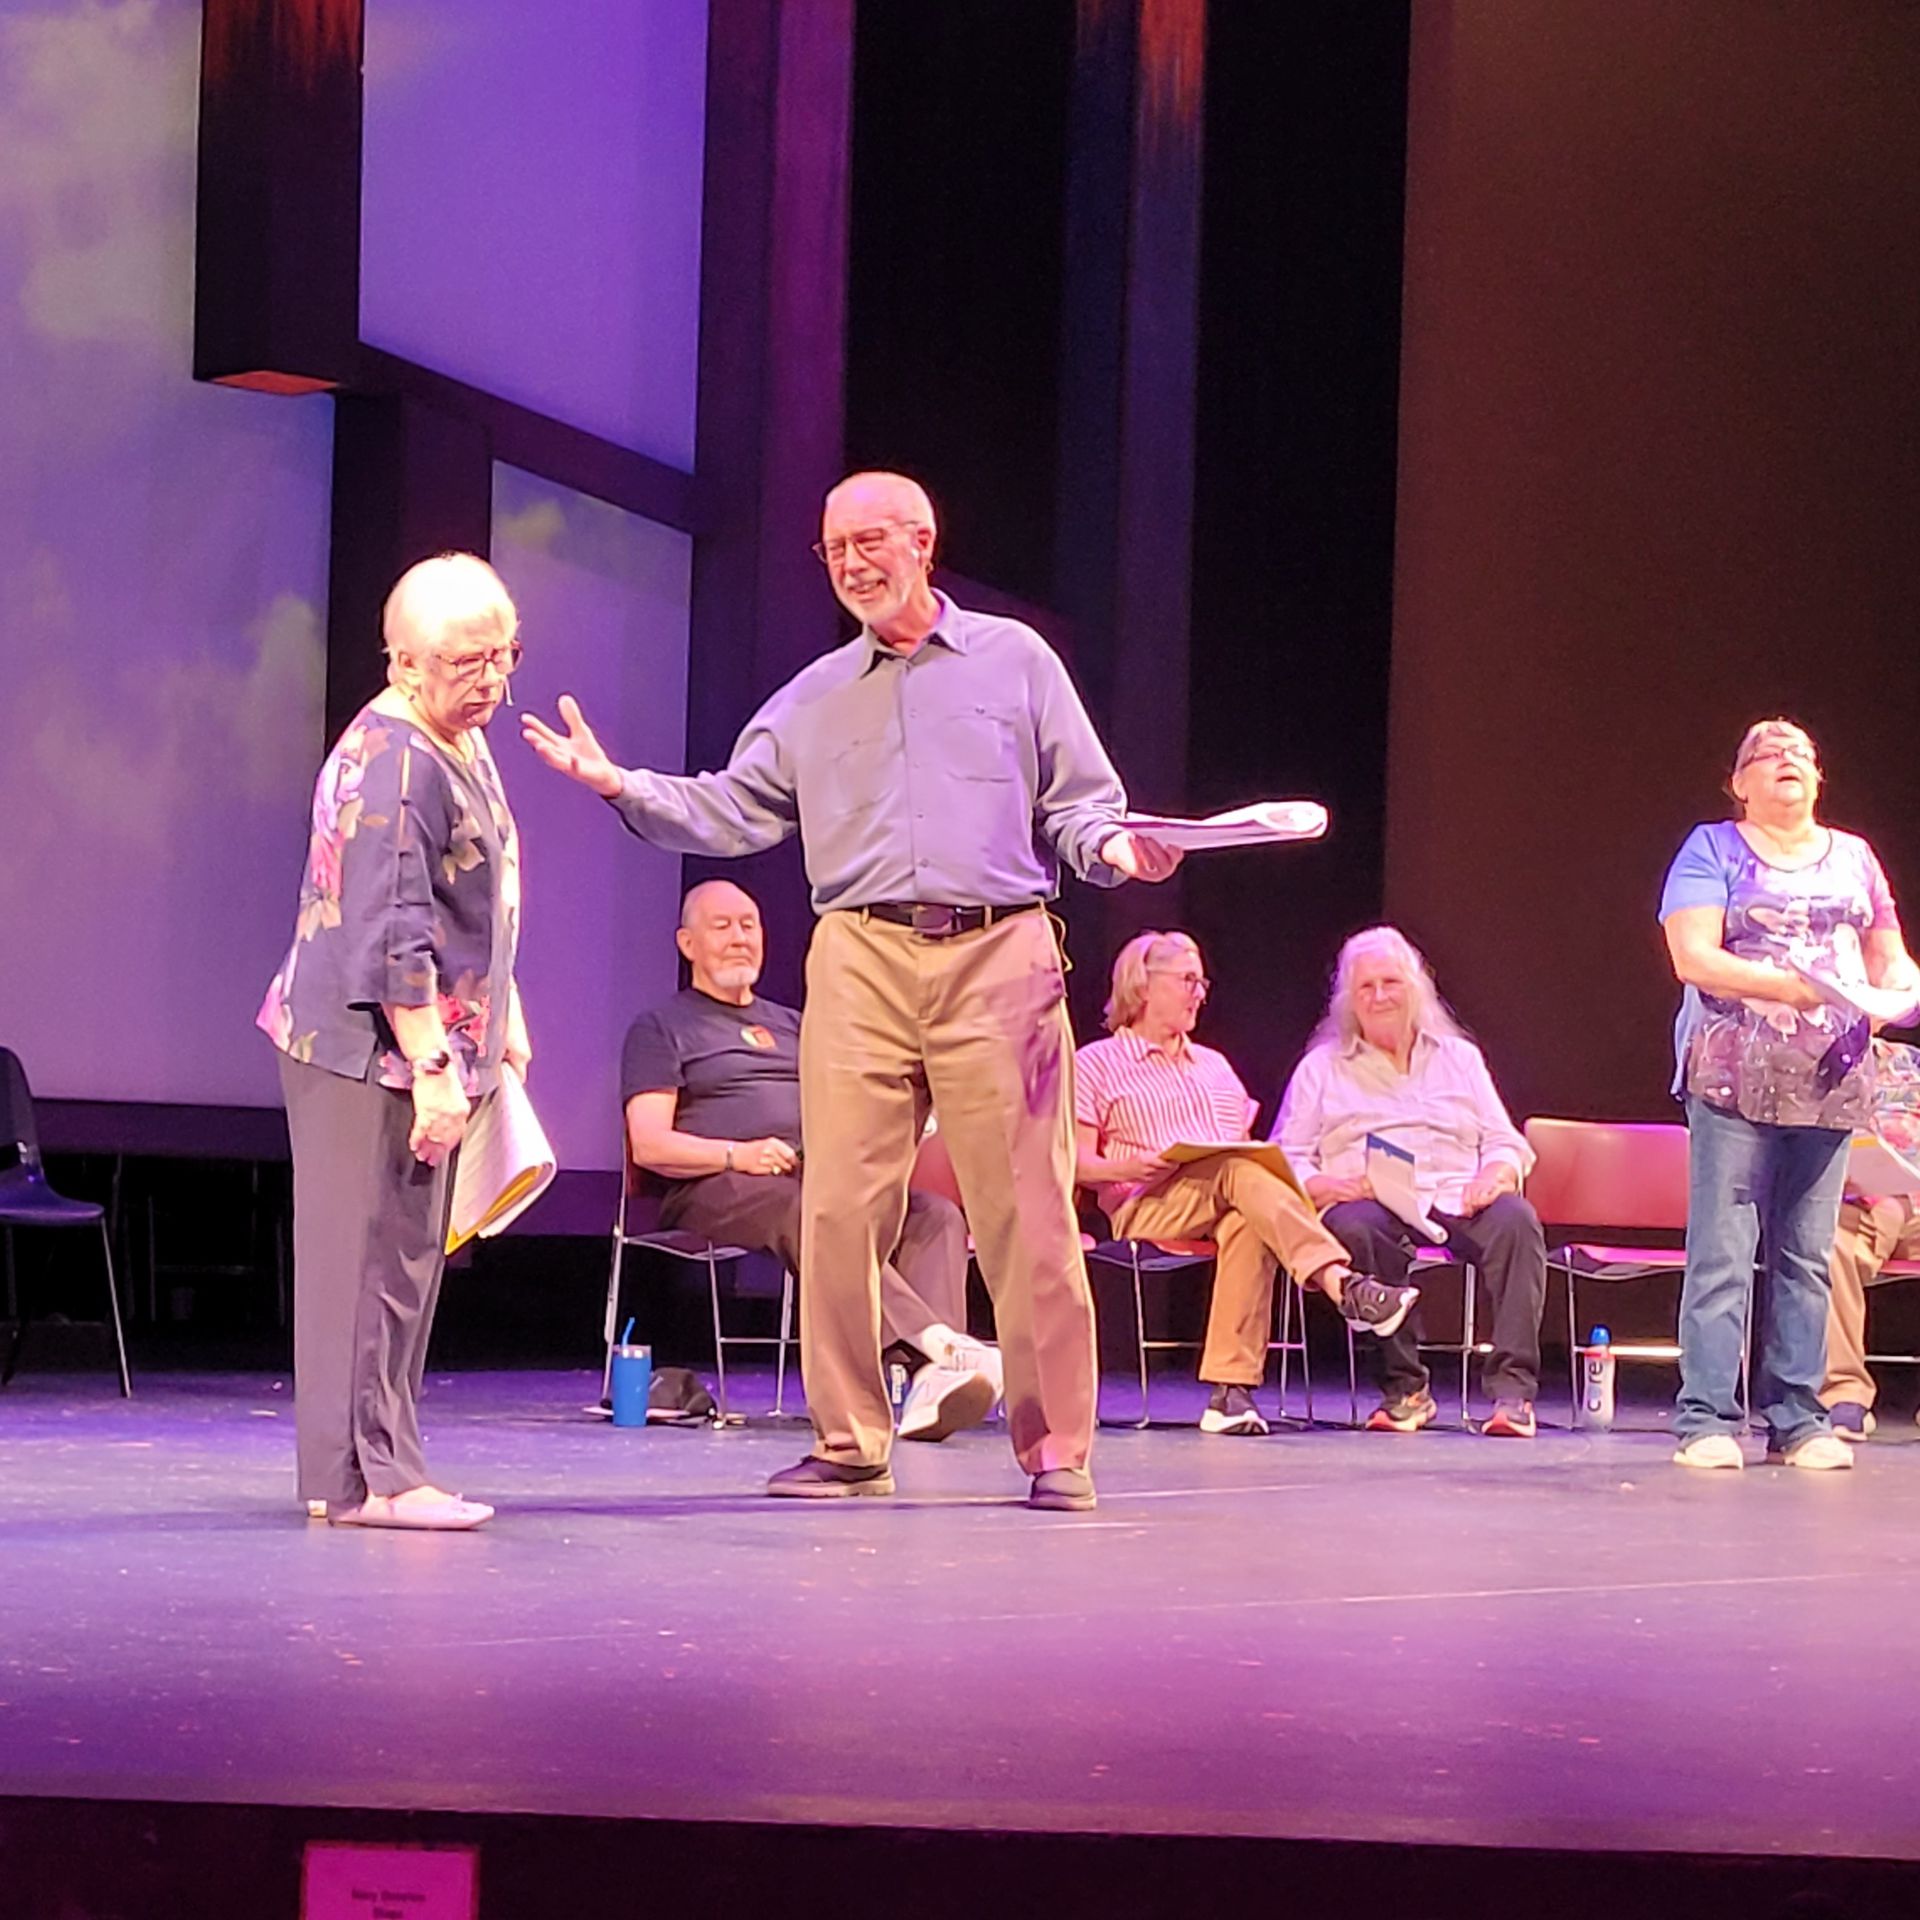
pixel 1595 1410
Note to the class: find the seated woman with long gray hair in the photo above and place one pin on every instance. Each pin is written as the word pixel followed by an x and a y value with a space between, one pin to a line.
pixel 1388 1061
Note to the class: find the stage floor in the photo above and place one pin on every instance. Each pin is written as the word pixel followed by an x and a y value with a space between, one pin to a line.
pixel 1439 1638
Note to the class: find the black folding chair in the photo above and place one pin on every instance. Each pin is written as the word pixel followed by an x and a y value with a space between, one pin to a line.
pixel 27 1200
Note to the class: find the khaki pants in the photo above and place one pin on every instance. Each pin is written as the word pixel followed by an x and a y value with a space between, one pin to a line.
pixel 1258 1222
pixel 1871 1233
pixel 922 1285
pixel 976 1027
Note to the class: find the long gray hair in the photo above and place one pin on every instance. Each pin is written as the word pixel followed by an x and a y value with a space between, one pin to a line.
pixel 1339 1027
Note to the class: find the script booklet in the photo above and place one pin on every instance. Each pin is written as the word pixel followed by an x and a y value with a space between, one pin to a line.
pixel 1390 1174
pixel 1263 1153
pixel 1265 823
pixel 505 1165
pixel 1880 1171
pixel 1886 1006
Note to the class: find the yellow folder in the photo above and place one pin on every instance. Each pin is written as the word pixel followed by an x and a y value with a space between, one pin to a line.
pixel 505 1165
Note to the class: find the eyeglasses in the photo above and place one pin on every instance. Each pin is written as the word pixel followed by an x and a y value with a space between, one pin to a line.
pixel 868 542
pixel 1785 750
pixel 1193 982
pixel 470 668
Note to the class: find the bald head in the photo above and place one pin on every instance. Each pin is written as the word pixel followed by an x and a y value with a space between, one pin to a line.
pixel 721 940
pixel 878 499
pixel 720 896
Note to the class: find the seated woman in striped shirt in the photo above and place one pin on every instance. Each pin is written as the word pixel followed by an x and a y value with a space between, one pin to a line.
pixel 1149 1088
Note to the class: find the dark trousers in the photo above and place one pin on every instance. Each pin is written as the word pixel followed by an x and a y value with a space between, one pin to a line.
pixel 369 1239
pixel 1504 1241
pixel 925 1281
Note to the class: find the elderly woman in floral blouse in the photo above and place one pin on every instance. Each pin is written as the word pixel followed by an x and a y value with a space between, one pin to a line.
pixel 395 1012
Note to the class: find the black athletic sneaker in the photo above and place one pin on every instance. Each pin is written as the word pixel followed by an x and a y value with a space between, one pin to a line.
pixel 817 1479
pixel 1373 1306
pixel 1231 1410
pixel 1403 1413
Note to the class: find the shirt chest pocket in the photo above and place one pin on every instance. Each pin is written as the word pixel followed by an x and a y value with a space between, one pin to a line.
pixel 981 742
pixel 862 772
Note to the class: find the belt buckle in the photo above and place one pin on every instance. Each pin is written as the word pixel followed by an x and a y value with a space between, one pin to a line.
pixel 935 922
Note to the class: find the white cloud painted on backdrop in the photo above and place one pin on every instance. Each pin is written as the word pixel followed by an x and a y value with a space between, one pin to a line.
pixel 162 574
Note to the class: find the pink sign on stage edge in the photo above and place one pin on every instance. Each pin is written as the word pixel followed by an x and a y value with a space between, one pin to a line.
pixel 340 1881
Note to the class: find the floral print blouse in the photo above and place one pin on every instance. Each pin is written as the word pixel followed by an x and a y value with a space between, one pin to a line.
pixel 411 898
pixel 1761 1059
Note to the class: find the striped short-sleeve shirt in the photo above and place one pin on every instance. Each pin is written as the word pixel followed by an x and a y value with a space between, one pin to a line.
pixel 1140 1097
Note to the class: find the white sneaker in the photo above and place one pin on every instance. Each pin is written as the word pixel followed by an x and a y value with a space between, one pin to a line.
pixel 942 1401
pixel 1712 1450
pixel 962 1353
pixel 1818 1453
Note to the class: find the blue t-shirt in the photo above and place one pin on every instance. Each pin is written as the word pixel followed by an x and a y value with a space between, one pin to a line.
pixel 1768 1062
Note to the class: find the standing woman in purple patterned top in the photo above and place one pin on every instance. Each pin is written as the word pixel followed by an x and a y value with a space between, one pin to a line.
pixel 1776 1080
pixel 395 1012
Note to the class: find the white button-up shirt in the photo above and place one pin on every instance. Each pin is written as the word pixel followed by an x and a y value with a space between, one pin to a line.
pixel 1444 1110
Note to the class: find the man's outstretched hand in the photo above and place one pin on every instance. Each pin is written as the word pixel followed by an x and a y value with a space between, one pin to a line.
pixel 1138 857
pixel 576 752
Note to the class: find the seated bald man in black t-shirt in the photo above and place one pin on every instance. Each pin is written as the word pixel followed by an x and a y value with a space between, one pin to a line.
pixel 711 1085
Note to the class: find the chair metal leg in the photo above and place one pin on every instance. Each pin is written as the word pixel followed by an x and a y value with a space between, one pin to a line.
pixel 1353 1379
pixel 1306 1353
pixel 1286 1334
pixel 1466 1342
pixel 780 1352
pixel 113 1300
pixel 1140 1331
pixel 719 1340
pixel 1573 1353
pixel 1293 1305
pixel 613 1311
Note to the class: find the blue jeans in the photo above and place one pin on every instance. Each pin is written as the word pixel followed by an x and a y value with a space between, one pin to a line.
pixel 1751 1185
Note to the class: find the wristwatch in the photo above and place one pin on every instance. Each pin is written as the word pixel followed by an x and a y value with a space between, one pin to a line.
pixel 432 1062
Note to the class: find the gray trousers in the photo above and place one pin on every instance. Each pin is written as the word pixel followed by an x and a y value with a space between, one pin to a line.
pixel 925 1280
pixel 369 1232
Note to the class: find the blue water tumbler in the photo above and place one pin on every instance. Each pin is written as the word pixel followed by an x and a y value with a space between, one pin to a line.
pixel 632 1378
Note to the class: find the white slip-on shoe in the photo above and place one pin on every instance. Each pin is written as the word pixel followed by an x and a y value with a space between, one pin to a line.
pixel 1712 1450
pixel 962 1353
pixel 1818 1453
pixel 941 1402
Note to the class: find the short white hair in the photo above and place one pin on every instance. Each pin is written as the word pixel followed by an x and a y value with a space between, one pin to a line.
pixel 1340 1025
pixel 450 596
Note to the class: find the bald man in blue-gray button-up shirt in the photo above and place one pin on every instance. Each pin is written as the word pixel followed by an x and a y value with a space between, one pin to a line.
pixel 938 767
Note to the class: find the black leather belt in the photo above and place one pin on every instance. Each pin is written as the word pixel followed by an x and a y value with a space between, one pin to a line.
pixel 936 922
